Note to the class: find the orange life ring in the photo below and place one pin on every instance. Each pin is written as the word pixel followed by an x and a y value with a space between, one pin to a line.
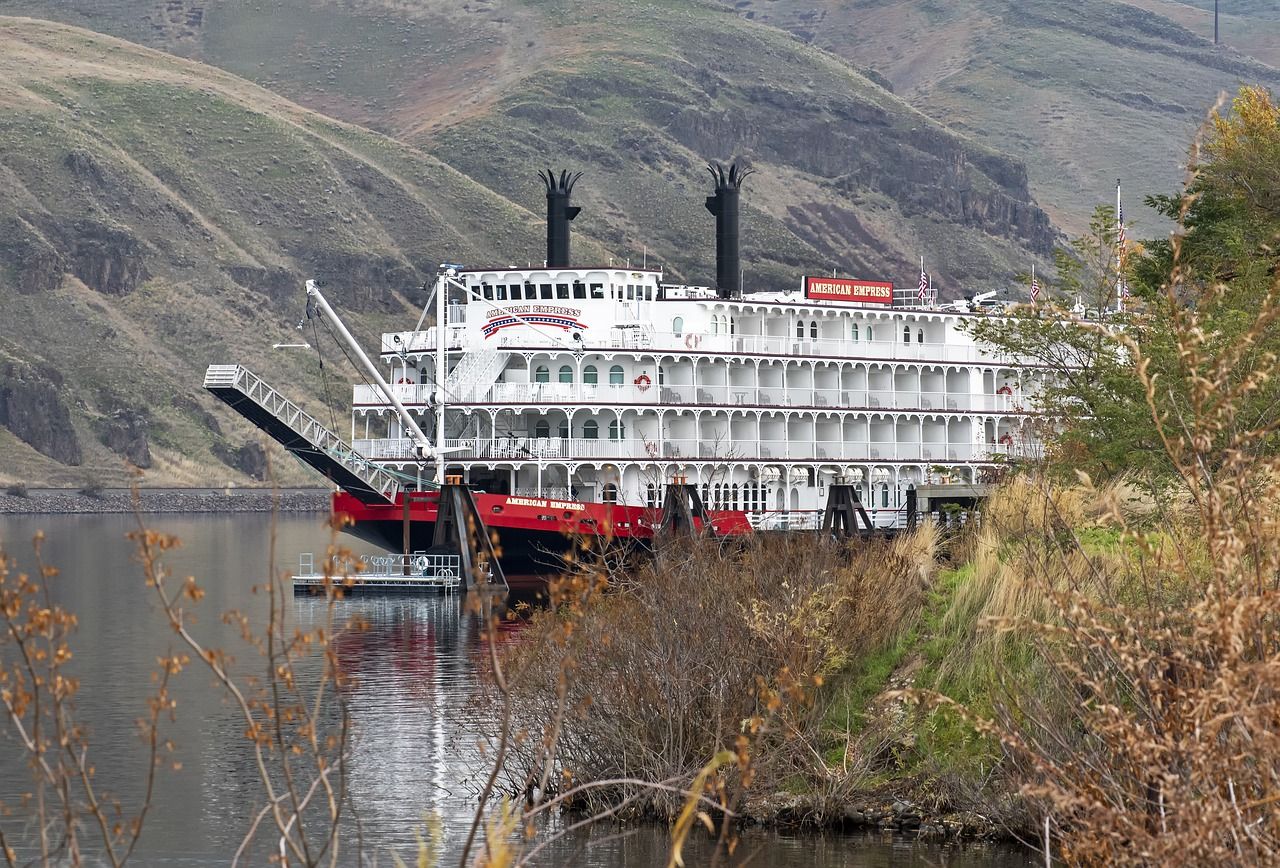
pixel 1004 390
pixel 1006 440
pixel 691 340
pixel 643 382
pixel 404 381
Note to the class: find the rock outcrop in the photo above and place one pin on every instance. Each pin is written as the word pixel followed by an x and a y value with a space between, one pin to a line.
pixel 126 432
pixel 250 459
pixel 32 408
pixel 106 258
pixel 37 266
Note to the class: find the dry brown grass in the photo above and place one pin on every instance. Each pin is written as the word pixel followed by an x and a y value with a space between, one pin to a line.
pixel 707 649
pixel 1149 733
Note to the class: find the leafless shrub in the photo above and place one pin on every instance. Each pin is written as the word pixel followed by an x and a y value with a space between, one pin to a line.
pixel 73 816
pixel 705 649
pixel 295 720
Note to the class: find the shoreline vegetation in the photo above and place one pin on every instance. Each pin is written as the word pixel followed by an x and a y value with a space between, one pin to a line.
pixel 71 501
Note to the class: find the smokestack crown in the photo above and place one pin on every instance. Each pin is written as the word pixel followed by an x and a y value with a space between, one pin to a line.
pixel 724 205
pixel 559 213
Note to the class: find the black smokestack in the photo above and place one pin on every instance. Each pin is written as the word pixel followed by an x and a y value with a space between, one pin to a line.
pixel 724 205
pixel 559 213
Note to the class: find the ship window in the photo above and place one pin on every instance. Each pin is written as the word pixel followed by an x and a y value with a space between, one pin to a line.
pixel 597 290
pixel 566 374
pixel 563 431
pixel 515 292
pixel 677 326
pixel 616 430
pixel 853 330
pixel 562 290
pixel 920 336
pixel 662 376
pixel 591 430
pixel 615 375
pixel 648 293
pixel 906 334
pixel 733 326
pixel 735 496
pixel 486 291
pixel 813 330
pixel 870 335
pixel 502 292
pixel 544 289
pixel 609 494
pixel 651 496
pixel 589 375
pixel 800 329
pixel 541 374
pixel 542 430
pixel 884 494
pixel 579 289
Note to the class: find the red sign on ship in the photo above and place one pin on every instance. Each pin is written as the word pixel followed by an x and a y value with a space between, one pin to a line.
pixel 844 289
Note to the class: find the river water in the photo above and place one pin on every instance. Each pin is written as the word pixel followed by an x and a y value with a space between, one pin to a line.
pixel 414 733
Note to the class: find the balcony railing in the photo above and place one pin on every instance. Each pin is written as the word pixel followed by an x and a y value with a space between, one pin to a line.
pixel 774 345
pixel 688 343
pixel 527 449
pixel 415 393
pixel 560 394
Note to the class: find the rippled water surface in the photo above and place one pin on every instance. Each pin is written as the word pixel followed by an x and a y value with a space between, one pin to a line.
pixel 414 733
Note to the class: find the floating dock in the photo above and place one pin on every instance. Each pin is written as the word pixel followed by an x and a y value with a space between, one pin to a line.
pixel 418 572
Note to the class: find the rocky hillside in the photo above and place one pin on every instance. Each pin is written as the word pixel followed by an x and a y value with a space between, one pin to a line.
pixel 638 95
pixel 1083 92
pixel 157 216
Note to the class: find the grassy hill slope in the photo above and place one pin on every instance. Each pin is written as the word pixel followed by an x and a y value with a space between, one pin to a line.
pixel 1084 92
pixel 638 96
pixel 849 177
pixel 157 215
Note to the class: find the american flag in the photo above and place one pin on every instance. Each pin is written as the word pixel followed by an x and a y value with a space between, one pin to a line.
pixel 1122 286
pixel 924 283
pixel 1035 288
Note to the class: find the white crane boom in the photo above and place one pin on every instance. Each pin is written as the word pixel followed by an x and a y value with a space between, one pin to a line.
pixel 420 441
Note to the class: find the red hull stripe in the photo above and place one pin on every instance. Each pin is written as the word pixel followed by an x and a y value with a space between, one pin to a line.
pixel 540 514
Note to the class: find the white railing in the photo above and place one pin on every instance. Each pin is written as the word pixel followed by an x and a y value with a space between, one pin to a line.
pixel 812 519
pixel 777 345
pixel 386 571
pixel 406 393
pixel 424 341
pixel 555 492
pixel 533 449
pixel 683 395
pixel 894 349
pixel 748 396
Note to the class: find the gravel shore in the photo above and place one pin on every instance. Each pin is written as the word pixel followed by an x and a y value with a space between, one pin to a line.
pixel 49 501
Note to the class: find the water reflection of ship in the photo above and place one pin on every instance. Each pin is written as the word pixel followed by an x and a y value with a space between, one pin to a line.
pixel 390 638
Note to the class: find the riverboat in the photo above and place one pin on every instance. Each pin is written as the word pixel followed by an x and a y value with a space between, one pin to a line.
pixel 569 397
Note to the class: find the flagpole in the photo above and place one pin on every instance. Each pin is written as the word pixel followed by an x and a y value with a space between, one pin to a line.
pixel 1119 261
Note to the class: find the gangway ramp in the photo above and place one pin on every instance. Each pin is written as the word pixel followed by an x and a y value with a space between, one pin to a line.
pixel 300 433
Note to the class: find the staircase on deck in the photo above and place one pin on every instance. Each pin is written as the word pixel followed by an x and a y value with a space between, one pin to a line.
pixel 300 433
pixel 475 373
